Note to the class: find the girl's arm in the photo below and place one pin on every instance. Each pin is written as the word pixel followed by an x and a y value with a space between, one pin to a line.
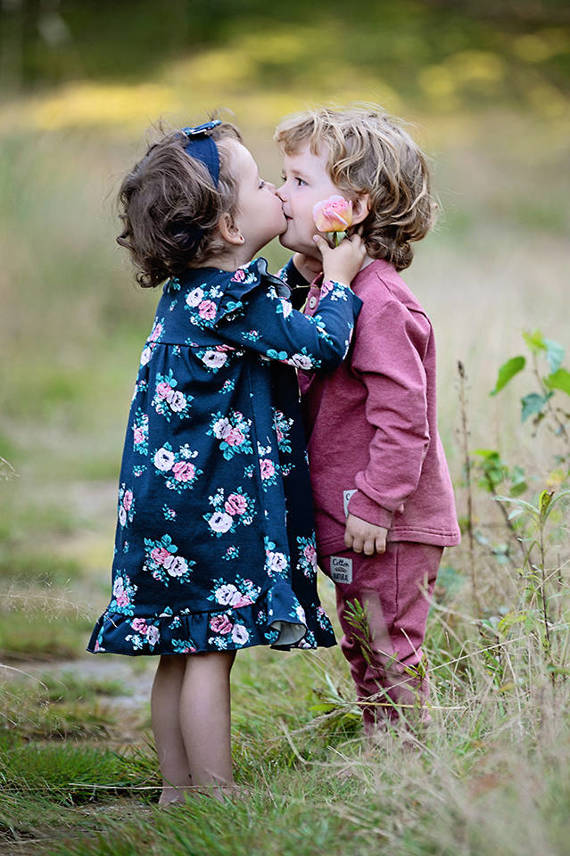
pixel 270 325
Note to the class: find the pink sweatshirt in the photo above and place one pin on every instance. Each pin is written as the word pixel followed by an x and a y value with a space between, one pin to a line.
pixel 373 440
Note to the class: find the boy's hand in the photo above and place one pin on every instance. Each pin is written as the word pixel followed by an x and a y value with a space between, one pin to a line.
pixel 342 263
pixel 362 536
pixel 307 266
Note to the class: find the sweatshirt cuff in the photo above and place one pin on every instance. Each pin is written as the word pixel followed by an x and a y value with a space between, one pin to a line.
pixel 361 506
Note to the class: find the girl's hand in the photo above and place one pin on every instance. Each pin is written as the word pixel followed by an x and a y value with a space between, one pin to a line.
pixel 307 266
pixel 342 263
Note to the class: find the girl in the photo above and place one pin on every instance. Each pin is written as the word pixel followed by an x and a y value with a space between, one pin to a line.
pixel 215 548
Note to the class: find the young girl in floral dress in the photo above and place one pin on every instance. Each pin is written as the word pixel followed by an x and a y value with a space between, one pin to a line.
pixel 215 548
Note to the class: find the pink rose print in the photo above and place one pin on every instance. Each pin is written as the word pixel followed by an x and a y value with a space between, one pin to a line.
pixel 326 287
pixel 279 433
pixel 156 333
pixel 128 499
pixel 122 598
pixel 184 471
pixel 310 554
pixel 207 310
pixel 244 600
pixel 164 390
pixel 235 504
pixel 138 435
pixel 238 276
pixel 267 468
pixel 139 625
pixel 221 624
pixel 234 437
pixel 161 556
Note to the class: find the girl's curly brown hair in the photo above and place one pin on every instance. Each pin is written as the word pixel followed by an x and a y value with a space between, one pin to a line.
pixel 369 153
pixel 170 208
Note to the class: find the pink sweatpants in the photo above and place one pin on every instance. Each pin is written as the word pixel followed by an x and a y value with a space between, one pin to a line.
pixel 385 652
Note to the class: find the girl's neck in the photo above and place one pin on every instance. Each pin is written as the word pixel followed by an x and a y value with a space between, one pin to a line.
pixel 231 259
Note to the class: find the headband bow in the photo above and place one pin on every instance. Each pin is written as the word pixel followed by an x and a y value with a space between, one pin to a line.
pixel 202 147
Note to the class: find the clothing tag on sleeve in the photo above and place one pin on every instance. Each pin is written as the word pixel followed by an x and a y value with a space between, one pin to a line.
pixel 346 494
pixel 341 569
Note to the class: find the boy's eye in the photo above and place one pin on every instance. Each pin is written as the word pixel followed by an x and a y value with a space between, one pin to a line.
pixel 261 183
pixel 300 181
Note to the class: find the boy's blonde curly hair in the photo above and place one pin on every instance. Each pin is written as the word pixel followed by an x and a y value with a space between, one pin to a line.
pixel 368 152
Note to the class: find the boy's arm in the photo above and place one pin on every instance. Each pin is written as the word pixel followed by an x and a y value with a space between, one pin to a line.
pixel 387 357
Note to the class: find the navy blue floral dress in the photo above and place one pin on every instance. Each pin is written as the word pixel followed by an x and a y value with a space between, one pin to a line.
pixel 215 548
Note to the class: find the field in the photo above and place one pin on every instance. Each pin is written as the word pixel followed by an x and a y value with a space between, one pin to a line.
pixel 78 769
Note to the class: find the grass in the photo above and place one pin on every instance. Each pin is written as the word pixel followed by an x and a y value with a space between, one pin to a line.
pixel 77 768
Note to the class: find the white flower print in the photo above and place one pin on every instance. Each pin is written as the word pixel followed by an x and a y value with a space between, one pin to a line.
pixel 240 634
pixel 146 355
pixel 301 614
pixel 276 561
pixel 178 567
pixel 221 428
pixel 152 635
pixel 301 361
pixel 220 521
pixel 287 307
pixel 164 460
pixel 195 297
pixel 122 516
pixel 214 359
pixel 227 594
pixel 177 402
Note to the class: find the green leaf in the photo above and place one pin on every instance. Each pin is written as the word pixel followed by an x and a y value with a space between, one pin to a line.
pixel 507 371
pixel 535 341
pixel 533 403
pixel 559 379
pixel 554 354
pixel 544 501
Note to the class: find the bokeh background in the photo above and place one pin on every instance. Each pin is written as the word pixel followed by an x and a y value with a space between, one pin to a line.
pixel 485 89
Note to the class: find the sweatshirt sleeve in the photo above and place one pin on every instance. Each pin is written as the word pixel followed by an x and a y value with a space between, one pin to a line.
pixel 388 358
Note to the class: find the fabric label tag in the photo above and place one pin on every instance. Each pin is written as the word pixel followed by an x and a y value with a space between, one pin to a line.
pixel 341 569
pixel 346 494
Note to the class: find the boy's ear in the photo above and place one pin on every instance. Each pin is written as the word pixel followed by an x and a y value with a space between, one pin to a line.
pixel 229 230
pixel 360 208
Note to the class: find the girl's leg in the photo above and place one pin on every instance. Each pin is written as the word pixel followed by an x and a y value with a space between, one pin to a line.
pixel 165 713
pixel 205 719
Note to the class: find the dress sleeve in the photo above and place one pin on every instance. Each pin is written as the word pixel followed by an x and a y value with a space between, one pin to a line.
pixel 266 322
pixel 388 358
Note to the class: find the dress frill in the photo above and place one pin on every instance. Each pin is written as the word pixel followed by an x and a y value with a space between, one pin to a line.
pixel 267 621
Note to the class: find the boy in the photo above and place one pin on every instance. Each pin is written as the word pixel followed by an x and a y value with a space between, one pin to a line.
pixel 382 493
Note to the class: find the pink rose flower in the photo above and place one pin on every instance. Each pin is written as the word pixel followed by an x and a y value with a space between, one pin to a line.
pixel 310 553
pixel 128 499
pixel 122 599
pixel 207 309
pixel 160 555
pixel 184 471
pixel 234 437
pixel 244 600
pixel 333 214
pixel 238 276
pixel 163 390
pixel 235 504
pixel 156 333
pixel 138 435
pixel 139 625
pixel 221 624
pixel 266 467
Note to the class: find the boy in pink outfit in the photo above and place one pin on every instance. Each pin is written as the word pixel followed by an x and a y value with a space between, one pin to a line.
pixel 382 492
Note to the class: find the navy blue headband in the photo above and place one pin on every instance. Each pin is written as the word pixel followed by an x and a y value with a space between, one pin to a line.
pixel 202 147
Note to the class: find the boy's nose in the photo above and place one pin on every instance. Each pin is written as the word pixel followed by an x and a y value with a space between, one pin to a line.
pixel 281 193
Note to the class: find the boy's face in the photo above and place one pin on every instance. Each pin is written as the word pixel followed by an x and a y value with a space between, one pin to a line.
pixel 306 181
